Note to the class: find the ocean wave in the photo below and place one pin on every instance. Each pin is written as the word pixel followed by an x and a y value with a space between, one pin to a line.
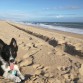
pixel 62 28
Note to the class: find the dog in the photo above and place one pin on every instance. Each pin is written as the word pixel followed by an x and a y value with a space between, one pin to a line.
pixel 8 54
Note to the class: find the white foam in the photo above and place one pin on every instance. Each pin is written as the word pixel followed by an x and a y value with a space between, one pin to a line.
pixel 67 29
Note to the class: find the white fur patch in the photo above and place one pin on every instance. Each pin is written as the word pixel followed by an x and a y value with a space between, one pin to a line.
pixel 11 76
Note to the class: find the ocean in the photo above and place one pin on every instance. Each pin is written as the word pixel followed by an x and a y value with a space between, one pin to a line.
pixel 74 27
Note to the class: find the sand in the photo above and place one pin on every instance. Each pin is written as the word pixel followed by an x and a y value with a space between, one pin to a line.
pixel 45 56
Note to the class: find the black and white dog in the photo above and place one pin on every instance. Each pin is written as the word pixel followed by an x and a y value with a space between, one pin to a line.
pixel 8 67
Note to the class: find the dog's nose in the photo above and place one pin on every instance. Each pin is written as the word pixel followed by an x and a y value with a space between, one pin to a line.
pixel 12 60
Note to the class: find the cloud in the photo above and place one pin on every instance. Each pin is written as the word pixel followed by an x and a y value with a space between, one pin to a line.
pixel 56 14
pixel 59 16
pixel 28 16
pixel 19 15
pixel 72 7
pixel 14 15
pixel 63 8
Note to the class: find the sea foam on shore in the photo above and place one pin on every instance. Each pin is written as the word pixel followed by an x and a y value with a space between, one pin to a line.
pixel 68 27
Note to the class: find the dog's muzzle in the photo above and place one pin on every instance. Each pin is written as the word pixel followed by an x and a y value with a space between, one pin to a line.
pixel 12 60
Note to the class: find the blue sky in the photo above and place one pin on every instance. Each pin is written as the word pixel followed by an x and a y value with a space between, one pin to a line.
pixel 42 10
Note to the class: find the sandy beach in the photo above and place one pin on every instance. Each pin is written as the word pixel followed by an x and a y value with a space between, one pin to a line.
pixel 45 56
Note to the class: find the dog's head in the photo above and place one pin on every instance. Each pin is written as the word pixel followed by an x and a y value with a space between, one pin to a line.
pixel 8 52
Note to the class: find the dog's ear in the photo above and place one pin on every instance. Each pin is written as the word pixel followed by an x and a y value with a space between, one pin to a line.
pixel 14 43
pixel 1 44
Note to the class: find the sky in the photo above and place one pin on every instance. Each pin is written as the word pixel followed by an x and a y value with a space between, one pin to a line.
pixel 42 10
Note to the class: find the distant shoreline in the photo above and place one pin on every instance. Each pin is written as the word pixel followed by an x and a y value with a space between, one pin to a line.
pixel 71 27
pixel 76 35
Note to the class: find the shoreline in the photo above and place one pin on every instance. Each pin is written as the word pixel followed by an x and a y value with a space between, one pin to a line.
pixel 72 29
pixel 76 35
